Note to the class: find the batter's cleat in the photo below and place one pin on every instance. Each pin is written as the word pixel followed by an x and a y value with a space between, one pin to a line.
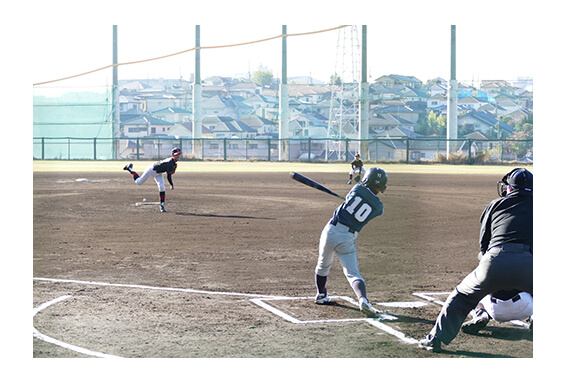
pixel 128 167
pixel 430 343
pixel 479 322
pixel 349 182
pixel 368 310
pixel 322 299
pixel 162 208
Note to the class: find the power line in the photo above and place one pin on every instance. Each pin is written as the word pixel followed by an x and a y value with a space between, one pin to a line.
pixel 192 49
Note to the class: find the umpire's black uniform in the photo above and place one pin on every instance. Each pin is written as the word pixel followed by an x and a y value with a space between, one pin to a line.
pixel 506 260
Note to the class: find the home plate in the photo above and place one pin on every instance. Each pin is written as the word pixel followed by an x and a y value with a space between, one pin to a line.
pixel 405 305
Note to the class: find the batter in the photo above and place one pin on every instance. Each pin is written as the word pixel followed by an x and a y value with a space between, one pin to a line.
pixel 361 205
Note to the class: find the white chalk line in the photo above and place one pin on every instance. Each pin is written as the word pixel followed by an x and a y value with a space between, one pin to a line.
pixel 59 343
pixel 158 288
pixel 258 299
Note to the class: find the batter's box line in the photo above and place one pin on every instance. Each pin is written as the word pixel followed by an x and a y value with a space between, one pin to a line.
pixel 372 321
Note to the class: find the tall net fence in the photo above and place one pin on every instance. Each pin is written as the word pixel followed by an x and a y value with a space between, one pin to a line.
pixel 72 123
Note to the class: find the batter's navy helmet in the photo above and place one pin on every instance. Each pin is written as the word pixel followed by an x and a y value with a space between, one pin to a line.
pixel 374 179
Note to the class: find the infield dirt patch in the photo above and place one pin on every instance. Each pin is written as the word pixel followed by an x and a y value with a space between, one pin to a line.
pixel 248 234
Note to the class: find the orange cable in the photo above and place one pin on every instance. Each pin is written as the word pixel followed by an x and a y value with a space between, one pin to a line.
pixel 189 50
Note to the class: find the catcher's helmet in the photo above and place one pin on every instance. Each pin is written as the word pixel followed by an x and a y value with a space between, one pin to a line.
pixel 175 151
pixel 518 178
pixel 374 179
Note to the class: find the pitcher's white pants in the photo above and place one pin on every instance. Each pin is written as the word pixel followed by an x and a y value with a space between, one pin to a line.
pixel 150 172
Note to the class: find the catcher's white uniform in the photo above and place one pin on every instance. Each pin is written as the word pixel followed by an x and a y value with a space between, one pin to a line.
pixel 517 308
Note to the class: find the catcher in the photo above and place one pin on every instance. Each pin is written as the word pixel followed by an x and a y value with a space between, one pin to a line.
pixel 356 166
pixel 502 306
pixel 156 170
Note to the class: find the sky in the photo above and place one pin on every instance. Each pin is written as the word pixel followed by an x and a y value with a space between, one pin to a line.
pixel 504 50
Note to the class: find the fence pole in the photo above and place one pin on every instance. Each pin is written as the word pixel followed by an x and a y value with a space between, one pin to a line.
pixel 407 150
pixel 138 149
pixel 224 147
pixel 94 148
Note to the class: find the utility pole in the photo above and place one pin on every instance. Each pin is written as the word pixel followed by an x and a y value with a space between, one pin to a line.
pixel 284 103
pixel 364 103
pixel 115 93
pixel 197 118
pixel 452 95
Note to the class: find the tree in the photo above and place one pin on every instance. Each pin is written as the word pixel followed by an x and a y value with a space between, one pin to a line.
pixel 335 80
pixel 263 77
pixel 434 124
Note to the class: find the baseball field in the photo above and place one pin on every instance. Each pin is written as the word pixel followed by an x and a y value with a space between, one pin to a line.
pixel 228 271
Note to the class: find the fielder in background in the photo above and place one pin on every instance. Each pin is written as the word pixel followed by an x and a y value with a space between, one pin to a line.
pixel 157 170
pixel 356 166
pixel 361 205
pixel 506 258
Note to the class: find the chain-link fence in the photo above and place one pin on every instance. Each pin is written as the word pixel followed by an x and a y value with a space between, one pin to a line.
pixel 403 150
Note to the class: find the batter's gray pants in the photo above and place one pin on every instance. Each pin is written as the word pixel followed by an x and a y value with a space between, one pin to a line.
pixel 505 267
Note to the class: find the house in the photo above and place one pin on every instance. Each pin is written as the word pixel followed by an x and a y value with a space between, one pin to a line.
pixel 309 125
pixel 232 129
pixel 410 94
pixel 471 102
pixel 231 106
pixel 127 103
pixel 309 93
pixel 380 122
pixel 484 123
pixel 144 126
pixel 518 115
pixel 174 115
pixel 159 101
pixel 258 101
pixel 438 89
pixel 382 92
pixel 185 130
pixel 394 80
pixel 262 125
pixel 437 100
pixel 507 103
pixel 244 89
pixel 404 111
pixel 131 86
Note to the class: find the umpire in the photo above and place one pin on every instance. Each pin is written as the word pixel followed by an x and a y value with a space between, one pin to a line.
pixel 506 256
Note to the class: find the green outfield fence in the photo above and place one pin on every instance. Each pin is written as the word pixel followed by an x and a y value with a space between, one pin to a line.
pixel 403 150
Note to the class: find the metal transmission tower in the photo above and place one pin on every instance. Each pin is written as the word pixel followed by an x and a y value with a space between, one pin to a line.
pixel 345 93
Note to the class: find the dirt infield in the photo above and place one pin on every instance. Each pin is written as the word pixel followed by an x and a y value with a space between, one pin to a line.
pixel 200 280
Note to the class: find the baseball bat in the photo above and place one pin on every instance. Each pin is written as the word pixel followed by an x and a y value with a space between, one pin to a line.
pixel 316 185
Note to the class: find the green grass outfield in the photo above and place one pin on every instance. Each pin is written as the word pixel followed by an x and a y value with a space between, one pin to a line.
pixel 248 167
